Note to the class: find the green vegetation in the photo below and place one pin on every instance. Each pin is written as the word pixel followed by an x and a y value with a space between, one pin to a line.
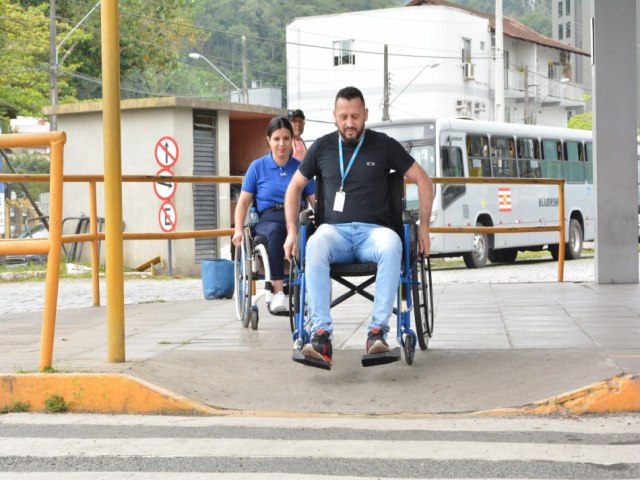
pixel 15 407
pixel 535 15
pixel 156 39
pixel 55 404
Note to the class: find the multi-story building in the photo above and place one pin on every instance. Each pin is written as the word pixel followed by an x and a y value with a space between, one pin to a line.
pixel 440 62
pixel 571 24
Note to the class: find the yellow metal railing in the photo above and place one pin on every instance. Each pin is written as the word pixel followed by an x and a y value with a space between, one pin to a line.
pixel 51 245
pixel 524 229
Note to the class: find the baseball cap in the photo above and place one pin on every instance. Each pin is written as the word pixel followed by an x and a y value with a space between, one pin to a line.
pixel 291 114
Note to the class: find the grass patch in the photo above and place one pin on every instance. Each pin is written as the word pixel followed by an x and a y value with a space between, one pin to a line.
pixel 157 300
pixel 55 404
pixel 15 407
pixel 164 342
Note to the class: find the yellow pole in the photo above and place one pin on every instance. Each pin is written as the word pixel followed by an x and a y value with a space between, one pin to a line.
pixel 95 260
pixel 561 251
pixel 53 260
pixel 112 181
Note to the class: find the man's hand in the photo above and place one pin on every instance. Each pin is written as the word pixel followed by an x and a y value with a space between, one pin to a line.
pixel 290 245
pixel 424 241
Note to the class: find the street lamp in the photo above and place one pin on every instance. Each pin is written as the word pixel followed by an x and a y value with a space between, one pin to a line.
pixel 197 56
pixel 53 56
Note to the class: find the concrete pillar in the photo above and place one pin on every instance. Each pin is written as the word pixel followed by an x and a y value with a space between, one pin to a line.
pixel 614 129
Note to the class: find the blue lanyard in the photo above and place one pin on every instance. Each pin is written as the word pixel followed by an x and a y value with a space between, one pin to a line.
pixel 353 157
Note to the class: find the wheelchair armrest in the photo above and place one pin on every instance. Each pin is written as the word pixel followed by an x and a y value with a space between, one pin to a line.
pixel 305 216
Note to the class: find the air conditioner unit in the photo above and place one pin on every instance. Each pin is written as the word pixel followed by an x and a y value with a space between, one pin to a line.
pixel 479 106
pixel 469 70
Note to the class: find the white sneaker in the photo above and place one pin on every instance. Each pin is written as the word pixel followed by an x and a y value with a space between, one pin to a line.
pixel 279 303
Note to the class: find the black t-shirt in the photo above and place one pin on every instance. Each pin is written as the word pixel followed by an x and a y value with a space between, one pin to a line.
pixel 366 188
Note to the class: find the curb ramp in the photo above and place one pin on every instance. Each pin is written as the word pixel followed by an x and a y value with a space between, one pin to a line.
pixel 123 394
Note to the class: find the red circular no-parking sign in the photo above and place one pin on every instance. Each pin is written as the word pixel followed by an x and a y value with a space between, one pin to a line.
pixel 167 217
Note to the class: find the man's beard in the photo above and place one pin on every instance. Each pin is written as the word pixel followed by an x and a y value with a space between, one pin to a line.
pixel 351 141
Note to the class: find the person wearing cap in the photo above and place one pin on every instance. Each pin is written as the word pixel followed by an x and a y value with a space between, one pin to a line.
pixel 296 117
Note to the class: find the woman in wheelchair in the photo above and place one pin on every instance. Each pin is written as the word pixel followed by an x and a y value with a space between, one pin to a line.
pixel 266 182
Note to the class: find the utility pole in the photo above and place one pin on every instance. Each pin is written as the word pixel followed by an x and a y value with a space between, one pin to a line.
pixel 385 98
pixel 53 65
pixel 245 92
pixel 499 62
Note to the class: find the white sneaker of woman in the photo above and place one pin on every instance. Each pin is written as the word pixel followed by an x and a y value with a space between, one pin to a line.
pixel 279 303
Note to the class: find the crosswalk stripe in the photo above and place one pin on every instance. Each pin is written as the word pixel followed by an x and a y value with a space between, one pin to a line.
pixel 588 425
pixel 360 449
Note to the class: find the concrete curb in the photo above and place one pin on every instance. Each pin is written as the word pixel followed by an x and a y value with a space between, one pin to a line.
pixel 619 394
pixel 121 393
pixel 97 393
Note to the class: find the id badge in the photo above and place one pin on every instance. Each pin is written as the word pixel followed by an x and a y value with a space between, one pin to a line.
pixel 338 204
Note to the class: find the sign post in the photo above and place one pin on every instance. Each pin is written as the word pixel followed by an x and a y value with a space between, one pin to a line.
pixel 166 152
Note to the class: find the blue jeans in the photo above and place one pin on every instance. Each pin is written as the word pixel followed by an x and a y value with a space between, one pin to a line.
pixel 352 243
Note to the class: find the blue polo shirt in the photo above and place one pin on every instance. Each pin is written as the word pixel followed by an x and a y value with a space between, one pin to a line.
pixel 268 182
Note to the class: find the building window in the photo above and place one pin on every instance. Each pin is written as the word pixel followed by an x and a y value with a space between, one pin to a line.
pixel 567 7
pixel 560 31
pixel 567 30
pixel 466 50
pixel 560 9
pixel 343 53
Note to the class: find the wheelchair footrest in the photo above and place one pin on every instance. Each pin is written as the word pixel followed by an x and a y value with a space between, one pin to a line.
pixel 309 361
pixel 371 360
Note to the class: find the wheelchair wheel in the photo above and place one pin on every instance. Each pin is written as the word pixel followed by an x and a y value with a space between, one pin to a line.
pixel 409 349
pixel 422 301
pixel 294 293
pixel 254 318
pixel 243 277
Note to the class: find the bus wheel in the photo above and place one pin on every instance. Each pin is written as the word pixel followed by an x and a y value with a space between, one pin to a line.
pixel 572 249
pixel 477 258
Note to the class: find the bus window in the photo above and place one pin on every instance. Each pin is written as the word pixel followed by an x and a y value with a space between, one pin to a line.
pixel 529 165
pixel 425 155
pixel 574 168
pixel 478 156
pixel 452 162
pixel 552 154
pixel 588 155
pixel 452 166
pixel 503 157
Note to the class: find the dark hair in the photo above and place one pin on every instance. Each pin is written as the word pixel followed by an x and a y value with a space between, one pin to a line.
pixel 279 122
pixel 349 93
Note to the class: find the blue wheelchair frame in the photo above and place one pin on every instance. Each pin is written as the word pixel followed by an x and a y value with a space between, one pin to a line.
pixel 414 281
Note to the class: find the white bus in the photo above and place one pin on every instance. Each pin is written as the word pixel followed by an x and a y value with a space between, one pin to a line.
pixel 457 147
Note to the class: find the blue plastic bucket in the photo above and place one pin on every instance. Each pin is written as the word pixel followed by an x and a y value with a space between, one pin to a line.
pixel 217 278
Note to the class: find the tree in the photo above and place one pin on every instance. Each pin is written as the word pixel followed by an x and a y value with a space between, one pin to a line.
pixel 24 57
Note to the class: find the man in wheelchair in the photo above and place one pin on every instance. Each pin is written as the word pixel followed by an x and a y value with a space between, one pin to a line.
pixel 353 165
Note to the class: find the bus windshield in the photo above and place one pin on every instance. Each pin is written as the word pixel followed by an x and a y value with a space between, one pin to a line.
pixel 425 155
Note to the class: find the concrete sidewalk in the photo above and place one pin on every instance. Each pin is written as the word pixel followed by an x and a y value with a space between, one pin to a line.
pixel 495 345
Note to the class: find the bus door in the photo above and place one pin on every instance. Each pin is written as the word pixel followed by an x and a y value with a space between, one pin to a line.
pixel 452 200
